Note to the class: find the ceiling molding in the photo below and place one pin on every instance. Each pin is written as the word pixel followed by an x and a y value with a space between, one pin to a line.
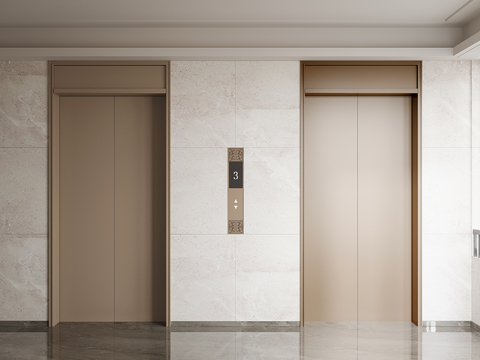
pixel 471 28
pixel 226 54
pixel 229 37
pixel 465 48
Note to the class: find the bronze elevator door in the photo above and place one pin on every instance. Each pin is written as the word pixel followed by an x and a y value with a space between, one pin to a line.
pixel 112 208
pixel 357 208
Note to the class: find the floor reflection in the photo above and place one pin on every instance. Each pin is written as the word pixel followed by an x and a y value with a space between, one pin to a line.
pixel 315 341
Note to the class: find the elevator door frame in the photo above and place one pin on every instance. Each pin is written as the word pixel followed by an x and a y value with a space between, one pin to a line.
pixel 416 165
pixel 54 167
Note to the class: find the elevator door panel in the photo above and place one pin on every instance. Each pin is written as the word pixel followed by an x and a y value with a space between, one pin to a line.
pixel 384 208
pixel 330 208
pixel 140 166
pixel 357 208
pixel 87 209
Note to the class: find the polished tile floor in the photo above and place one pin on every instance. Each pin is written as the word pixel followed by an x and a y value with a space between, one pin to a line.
pixel 122 341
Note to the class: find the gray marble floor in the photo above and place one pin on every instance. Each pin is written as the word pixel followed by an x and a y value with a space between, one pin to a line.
pixel 122 341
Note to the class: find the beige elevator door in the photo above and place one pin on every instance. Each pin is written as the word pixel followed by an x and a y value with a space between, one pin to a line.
pixel 357 208
pixel 112 209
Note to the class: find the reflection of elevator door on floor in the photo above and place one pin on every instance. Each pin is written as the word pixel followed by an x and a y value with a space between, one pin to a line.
pixel 357 208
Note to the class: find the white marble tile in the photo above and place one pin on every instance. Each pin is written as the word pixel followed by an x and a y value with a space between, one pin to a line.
pixel 23 278
pixel 330 340
pixel 23 104
pixel 476 188
pixel 202 103
pixel 272 191
pixel 476 103
pixel 448 346
pixel 23 191
pixel 268 253
pixel 386 340
pixel 198 191
pixel 8 68
pixel 268 128
pixel 446 104
pixel 203 346
pixel 268 84
pixel 270 345
pixel 446 277
pixel 476 290
pixel 203 278
pixel 446 191
pixel 267 296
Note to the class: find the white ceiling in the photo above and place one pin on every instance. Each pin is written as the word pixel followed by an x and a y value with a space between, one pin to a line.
pixel 235 29
pixel 84 13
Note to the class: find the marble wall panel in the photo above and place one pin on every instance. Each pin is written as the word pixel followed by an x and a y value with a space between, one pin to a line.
pixel 446 104
pixel 475 188
pixel 202 103
pixel 23 104
pixel 203 278
pixel 268 84
pixel 198 191
pixel 476 290
pixel 268 296
pixel 255 105
pixel 446 191
pixel 272 191
pixel 476 103
pixel 268 128
pixel 268 253
pixel 23 194
pixel 23 278
pixel 267 277
pixel 446 277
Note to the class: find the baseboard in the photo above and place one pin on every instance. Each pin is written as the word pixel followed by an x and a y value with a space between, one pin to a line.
pixel 447 323
pixel 475 326
pixel 235 323
pixel 24 323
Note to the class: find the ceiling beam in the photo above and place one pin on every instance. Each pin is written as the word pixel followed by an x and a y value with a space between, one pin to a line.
pixel 230 37
pixel 226 53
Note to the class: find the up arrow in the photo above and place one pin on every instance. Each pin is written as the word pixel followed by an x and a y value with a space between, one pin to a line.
pixel 235 202
pixel 235 206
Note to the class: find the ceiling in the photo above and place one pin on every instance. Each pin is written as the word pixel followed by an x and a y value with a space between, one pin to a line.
pixel 302 29
pixel 241 13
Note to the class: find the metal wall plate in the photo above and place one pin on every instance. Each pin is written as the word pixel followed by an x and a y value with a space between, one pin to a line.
pixel 235 191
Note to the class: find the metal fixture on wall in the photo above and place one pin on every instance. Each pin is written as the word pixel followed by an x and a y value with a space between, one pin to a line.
pixel 476 243
pixel 235 191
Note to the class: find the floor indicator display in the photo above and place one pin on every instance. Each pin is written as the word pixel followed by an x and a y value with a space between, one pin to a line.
pixel 235 190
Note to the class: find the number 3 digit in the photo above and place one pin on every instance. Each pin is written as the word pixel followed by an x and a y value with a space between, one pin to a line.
pixel 235 175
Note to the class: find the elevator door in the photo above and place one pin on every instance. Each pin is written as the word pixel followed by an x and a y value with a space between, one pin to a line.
pixel 112 208
pixel 357 208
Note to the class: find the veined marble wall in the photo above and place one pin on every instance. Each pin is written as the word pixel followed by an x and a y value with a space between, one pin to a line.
pixel 447 189
pixel 23 191
pixel 251 277
pixel 220 277
pixel 476 185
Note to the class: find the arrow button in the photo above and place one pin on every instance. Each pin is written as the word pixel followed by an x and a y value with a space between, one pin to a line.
pixel 235 202
pixel 235 206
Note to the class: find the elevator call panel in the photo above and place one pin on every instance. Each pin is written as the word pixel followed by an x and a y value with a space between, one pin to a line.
pixel 235 191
